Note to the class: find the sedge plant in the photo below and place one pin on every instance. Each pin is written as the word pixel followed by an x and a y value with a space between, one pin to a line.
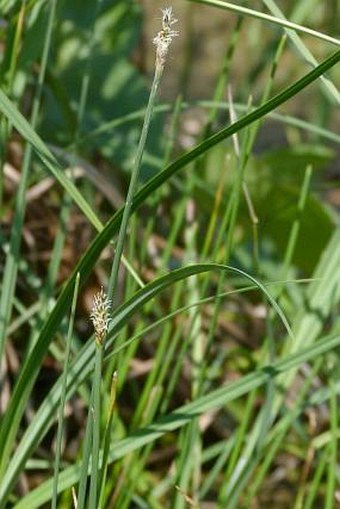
pixel 212 389
pixel 102 303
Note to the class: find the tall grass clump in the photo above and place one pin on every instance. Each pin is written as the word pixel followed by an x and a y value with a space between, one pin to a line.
pixel 170 261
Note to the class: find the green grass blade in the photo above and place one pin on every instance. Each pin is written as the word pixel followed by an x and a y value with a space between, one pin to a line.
pixel 63 395
pixel 81 368
pixel 328 86
pixel 291 29
pixel 309 503
pixel 296 226
pixel 32 364
pixel 181 416
pixel 322 296
pixel 208 104
pixel 12 258
pixel 277 435
pixel 11 266
pixel 333 461
pixel 24 128
pixel 272 19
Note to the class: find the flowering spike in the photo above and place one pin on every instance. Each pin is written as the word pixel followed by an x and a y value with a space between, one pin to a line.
pixel 100 315
pixel 164 37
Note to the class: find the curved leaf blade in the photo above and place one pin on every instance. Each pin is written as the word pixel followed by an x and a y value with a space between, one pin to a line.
pixel 83 365
pixel 183 415
pixel 32 364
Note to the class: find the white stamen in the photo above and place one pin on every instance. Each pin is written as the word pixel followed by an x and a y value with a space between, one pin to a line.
pixel 164 37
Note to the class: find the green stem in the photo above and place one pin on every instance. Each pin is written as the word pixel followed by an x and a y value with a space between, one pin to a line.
pixel 107 440
pixel 133 182
pixel 63 396
pixel 95 470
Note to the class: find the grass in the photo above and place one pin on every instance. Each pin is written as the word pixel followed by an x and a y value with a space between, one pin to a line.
pixel 214 377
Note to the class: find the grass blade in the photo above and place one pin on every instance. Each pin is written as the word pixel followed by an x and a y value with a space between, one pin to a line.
pixel 32 364
pixel 215 399
pixel 83 365
pixel 63 395
pixel 24 128
pixel 272 19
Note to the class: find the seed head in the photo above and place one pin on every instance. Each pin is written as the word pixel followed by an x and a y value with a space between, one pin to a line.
pixel 164 37
pixel 100 315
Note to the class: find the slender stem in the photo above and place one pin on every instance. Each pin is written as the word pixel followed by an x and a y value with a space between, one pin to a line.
pixel 100 320
pixel 63 396
pixel 133 183
pixel 81 496
pixel 107 440
pixel 95 470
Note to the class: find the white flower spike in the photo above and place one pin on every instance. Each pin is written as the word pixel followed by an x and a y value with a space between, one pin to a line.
pixel 164 37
